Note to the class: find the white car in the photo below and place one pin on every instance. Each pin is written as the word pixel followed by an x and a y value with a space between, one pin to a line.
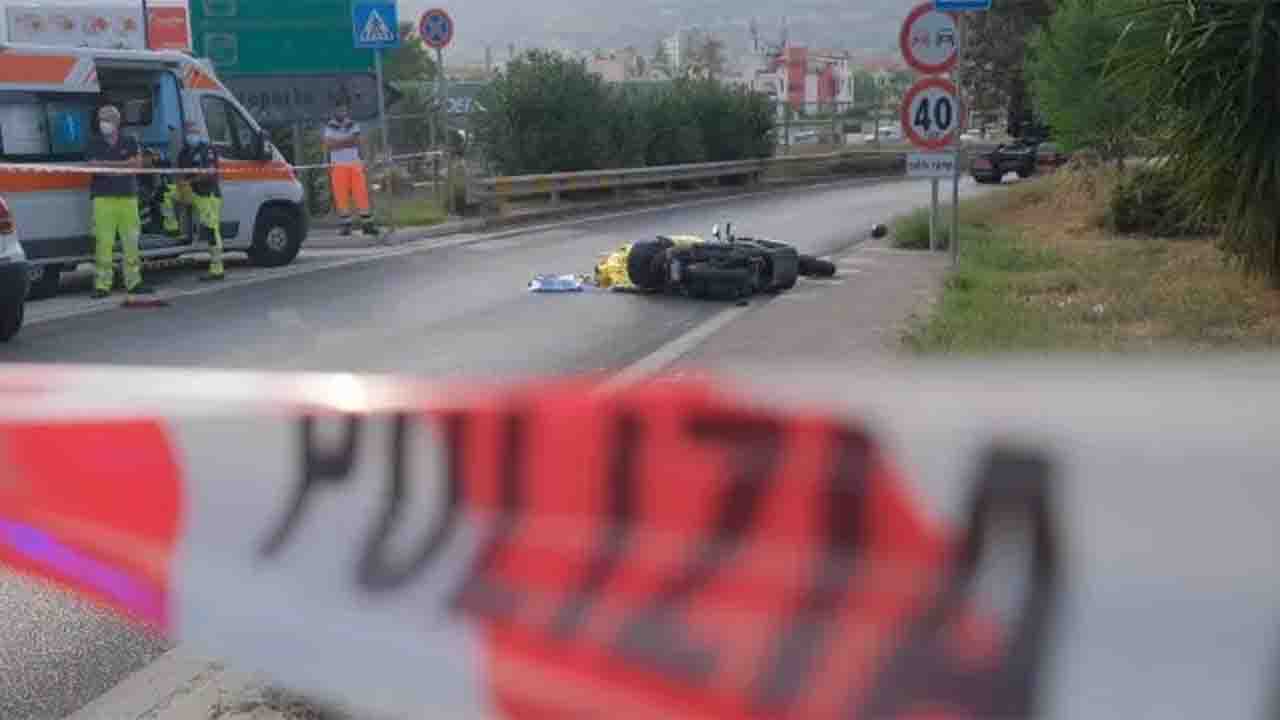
pixel 887 134
pixel 14 276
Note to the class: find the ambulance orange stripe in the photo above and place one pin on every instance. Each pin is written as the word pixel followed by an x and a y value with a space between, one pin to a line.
pixel 200 81
pixel 248 171
pixel 16 181
pixel 36 69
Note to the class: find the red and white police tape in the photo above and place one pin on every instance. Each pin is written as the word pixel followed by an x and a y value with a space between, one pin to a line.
pixel 230 168
pixel 672 549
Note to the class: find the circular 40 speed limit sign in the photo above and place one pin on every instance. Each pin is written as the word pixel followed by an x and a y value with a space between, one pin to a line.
pixel 931 113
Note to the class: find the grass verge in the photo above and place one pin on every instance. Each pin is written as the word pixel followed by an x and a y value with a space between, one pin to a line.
pixel 416 212
pixel 1040 272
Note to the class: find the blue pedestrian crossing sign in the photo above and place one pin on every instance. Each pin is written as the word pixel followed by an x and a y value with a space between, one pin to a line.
pixel 961 5
pixel 376 25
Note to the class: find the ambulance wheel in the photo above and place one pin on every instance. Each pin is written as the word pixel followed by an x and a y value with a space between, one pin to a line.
pixel 11 321
pixel 277 237
pixel 46 281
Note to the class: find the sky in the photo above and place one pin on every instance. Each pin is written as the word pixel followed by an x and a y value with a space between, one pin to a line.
pixel 586 24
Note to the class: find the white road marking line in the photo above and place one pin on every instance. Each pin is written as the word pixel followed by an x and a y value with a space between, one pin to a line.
pixel 669 354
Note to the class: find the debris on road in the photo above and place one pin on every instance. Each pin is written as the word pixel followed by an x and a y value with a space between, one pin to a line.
pixel 555 284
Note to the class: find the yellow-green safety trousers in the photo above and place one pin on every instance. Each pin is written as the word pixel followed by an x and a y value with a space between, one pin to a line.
pixel 116 216
pixel 208 215
pixel 169 209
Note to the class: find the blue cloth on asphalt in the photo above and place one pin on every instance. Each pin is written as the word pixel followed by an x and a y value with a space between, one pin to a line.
pixel 555 283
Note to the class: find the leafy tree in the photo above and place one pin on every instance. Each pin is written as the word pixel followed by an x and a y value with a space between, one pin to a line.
pixel 866 91
pixel 1207 75
pixel 1067 74
pixel 675 136
pixel 411 62
pixel 995 52
pixel 546 113
pixel 735 123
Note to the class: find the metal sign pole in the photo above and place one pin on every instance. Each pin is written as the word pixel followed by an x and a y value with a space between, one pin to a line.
pixel 933 217
pixel 442 92
pixel 959 145
pixel 146 26
pixel 382 105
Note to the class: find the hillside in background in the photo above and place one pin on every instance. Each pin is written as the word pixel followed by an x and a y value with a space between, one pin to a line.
pixel 865 25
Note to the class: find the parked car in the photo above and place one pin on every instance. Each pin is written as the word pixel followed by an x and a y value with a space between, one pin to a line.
pixel 805 137
pixel 15 278
pixel 886 134
pixel 1025 157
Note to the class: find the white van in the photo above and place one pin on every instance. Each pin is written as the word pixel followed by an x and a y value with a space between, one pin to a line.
pixel 49 97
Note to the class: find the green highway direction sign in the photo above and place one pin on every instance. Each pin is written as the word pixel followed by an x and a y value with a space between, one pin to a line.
pixel 261 37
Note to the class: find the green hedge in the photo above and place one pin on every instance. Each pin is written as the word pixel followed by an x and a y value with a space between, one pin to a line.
pixel 546 113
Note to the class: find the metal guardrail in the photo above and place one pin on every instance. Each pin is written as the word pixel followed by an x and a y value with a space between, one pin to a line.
pixel 554 184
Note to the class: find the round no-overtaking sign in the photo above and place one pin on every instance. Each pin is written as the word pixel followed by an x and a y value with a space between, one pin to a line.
pixel 930 40
pixel 931 113
pixel 436 28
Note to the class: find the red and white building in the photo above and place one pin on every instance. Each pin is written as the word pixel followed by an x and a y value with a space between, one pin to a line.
pixel 809 81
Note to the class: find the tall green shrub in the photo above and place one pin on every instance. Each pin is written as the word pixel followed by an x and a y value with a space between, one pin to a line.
pixel 546 113
pixel 1207 73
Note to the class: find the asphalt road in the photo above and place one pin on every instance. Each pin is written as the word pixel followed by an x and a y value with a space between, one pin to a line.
pixel 457 310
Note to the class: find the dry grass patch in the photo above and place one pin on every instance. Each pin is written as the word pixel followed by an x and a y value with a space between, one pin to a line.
pixel 1085 287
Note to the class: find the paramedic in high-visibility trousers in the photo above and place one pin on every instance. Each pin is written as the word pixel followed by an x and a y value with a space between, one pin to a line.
pixel 347 175
pixel 115 205
pixel 205 195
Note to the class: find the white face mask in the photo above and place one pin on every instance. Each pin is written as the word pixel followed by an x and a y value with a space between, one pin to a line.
pixel 108 129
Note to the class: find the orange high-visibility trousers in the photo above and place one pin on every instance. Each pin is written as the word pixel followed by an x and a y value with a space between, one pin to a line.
pixel 350 184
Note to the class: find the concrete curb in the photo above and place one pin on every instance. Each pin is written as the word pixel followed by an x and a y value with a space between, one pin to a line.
pixel 176 686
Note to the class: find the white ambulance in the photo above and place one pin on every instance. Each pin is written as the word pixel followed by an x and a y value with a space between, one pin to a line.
pixel 49 97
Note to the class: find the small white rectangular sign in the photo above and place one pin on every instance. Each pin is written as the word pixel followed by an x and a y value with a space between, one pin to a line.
pixel 931 165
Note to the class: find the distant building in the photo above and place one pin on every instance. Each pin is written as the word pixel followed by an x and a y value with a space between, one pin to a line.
pixel 676 48
pixel 610 69
pixel 808 81
pixel 616 66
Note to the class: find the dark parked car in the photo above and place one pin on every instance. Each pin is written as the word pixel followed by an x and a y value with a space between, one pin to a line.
pixel 1025 157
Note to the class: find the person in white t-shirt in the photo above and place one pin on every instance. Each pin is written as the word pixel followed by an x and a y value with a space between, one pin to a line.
pixel 350 184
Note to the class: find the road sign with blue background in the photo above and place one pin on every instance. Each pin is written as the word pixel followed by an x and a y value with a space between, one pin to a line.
pixel 375 25
pixel 961 5
pixel 436 28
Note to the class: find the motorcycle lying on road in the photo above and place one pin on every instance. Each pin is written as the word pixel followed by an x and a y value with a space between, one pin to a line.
pixel 727 268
